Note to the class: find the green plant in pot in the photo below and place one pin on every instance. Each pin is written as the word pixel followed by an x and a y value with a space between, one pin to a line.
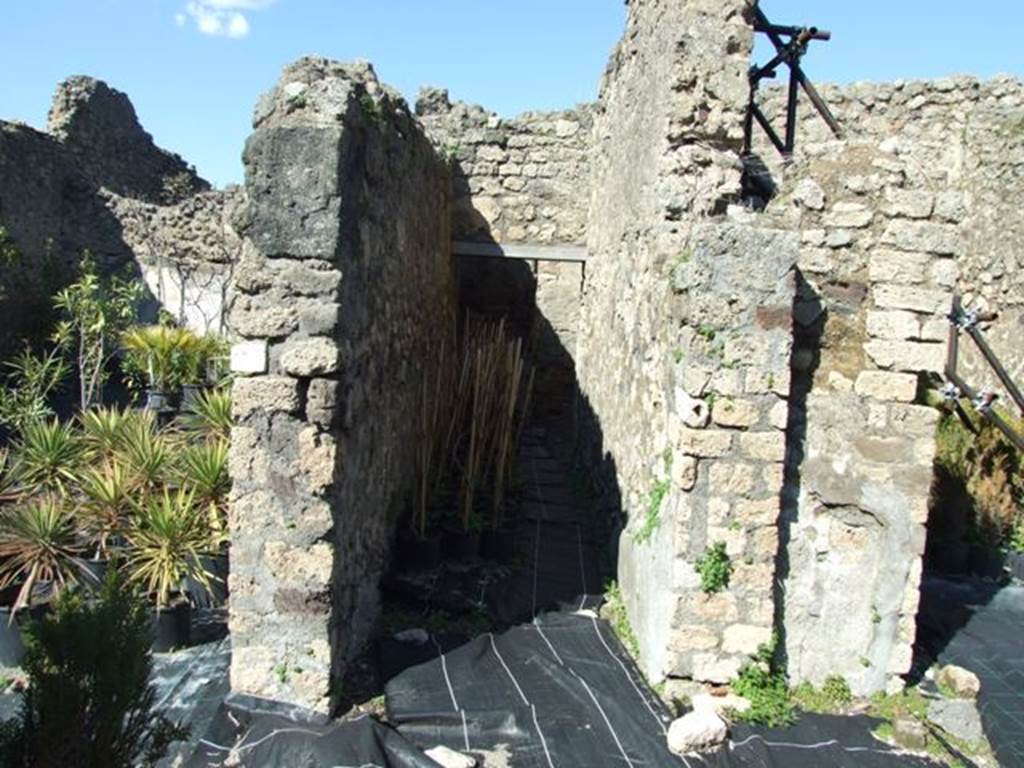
pixel 209 415
pixel 167 539
pixel 204 470
pixel 39 546
pixel 49 455
pixel 158 351
pixel 202 362
pixel 146 452
pixel 103 430
pixel 104 511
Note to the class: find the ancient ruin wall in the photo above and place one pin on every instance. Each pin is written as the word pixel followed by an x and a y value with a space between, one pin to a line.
pixel 916 201
pixel 523 179
pixel 684 347
pixel 97 183
pixel 345 290
pixel 962 142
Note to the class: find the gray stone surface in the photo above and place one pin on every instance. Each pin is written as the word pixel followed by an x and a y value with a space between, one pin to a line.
pixel 348 280
pixel 958 718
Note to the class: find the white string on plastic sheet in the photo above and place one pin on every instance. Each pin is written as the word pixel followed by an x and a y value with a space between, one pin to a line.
pixel 818 745
pixel 522 695
pixel 607 722
pixel 451 691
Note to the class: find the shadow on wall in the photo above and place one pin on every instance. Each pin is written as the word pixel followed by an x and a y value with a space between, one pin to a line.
pixel 807 341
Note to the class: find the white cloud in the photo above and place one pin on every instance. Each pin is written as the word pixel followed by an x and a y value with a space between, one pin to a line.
pixel 221 18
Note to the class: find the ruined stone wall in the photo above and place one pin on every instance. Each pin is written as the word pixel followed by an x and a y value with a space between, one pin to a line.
pixel 96 182
pixel 345 291
pixel 962 141
pixel 917 200
pixel 877 266
pixel 514 180
pixel 520 180
pixel 685 340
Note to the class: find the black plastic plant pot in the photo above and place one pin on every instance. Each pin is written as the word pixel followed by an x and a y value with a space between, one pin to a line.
pixel 12 647
pixel 498 545
pixel 157 401
pixel 189 395
pixel 171 627
pixel 94 573
pixel 418 554
pixel 457 544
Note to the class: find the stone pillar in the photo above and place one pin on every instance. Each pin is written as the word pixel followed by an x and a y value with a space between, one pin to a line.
pixel 344 290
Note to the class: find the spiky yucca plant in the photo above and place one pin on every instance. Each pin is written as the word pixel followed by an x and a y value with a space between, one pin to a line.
pixel 204 469
pixel 107 501
pixel 210 415
pixel 102 429
pixel 38 543
pixel 49 455
pixel 167 536
pixel 10 483
pixel 146 452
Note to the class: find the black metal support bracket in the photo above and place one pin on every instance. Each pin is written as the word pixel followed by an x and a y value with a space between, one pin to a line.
pixel 957 389
pixel 790 46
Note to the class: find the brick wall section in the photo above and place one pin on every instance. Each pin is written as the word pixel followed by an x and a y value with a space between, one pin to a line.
pixel 344 292
pixel 878 264
pixel 514 180
pixel 685 339
pixel 962 141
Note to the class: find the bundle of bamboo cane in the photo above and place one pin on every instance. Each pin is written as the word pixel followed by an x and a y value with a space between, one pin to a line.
pixel 472 414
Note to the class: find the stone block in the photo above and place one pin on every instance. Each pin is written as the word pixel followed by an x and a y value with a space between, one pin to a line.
pixel 881 385
pixel 849 216
pixel 909 203
pixel 745 639
pixel 730 478
pixel 729 412
pixel 765 446
pixel 310 357
pixel 322 399
pixel 923 236
pixel 264 394
pixel 887 265
pixel 907 355
pixel 249 358
pixel 922 300
pixel 810 194
pixel 705 443
pixel 684 472
pixel 893 324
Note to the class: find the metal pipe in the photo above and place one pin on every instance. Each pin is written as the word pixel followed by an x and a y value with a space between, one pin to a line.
pixel 819 103
pixel 763 122
pixel 979 340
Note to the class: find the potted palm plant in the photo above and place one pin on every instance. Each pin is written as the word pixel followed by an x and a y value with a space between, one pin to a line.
pixel 167 538
pixel 157 350
pixel 103 512
pixel 40 555
pixel 49 455
pixel 203 469
pixel 202 363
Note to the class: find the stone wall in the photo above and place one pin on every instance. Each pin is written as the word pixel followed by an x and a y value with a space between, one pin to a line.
pixel 961 141
pixel 96 182
pixel 878 263
pixel 345 291
pixel 685 340
pixel 514 180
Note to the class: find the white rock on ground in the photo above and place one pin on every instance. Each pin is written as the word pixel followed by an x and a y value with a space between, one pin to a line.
pixel 699 730
pixel 962 682
pixel 720 705
pixel 449 758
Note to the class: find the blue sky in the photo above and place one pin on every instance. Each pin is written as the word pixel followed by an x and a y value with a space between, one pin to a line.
pixel 194 68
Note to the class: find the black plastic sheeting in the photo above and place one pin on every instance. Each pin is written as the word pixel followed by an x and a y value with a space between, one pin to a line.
pixel 255 734
pixel 562 692
pixel 977 625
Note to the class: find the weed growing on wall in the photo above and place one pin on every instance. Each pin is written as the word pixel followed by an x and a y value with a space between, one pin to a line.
pixel 763 683
pixel 714 568
pixel 832 698
pixel 614 611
